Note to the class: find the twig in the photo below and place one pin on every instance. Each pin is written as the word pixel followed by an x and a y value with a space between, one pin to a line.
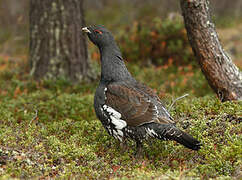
pixel 35 116
pixel 172 104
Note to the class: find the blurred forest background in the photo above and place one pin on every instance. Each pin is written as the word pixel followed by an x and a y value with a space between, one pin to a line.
pixel 148 32
pixel 50 129
pixel 119 16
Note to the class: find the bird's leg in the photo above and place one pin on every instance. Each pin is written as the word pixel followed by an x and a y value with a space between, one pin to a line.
pixel 139 150
pixel 123 145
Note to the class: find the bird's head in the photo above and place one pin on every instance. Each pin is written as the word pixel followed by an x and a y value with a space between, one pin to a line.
pixel 99 35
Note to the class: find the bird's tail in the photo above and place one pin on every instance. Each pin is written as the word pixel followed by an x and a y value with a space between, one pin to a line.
pixel 171 132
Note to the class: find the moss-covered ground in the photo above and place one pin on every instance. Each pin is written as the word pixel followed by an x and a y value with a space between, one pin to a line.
pixel 49 129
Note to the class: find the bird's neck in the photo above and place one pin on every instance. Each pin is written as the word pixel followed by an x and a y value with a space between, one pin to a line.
pixel 113 68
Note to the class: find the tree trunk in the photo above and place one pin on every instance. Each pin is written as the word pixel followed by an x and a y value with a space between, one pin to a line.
pixel 57 46
pixel 222 75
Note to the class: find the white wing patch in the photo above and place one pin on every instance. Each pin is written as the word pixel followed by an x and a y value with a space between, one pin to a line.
pixel 115 119
pixel 112 112
pixel 119 123
pixel 105 89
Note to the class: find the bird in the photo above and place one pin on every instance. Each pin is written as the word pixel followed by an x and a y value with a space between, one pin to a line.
pixel 127 108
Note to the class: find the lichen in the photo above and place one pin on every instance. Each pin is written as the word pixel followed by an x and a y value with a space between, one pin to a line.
pixel 54 7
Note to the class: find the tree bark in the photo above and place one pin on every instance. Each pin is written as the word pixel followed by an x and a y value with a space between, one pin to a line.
pixel 222 75
pixel 57 46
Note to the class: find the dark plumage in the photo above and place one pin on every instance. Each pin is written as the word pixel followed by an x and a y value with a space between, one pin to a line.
pixel 127 108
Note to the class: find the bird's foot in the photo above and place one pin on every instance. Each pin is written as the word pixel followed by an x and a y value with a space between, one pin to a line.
pixel 139 151
pixel 139 154
pixel 123 146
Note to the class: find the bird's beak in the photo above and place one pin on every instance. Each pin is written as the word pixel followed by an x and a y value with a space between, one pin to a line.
pixel 86 30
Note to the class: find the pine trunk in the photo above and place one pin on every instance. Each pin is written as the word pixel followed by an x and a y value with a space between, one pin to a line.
pixel 222 75
pixel 57 46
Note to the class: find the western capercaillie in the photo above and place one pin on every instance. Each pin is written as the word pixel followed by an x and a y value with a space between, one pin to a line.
pixel 126 107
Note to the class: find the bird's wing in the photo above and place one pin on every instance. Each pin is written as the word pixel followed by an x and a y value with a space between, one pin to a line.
pixel 147 90
pixel 134 106
pixel 163 113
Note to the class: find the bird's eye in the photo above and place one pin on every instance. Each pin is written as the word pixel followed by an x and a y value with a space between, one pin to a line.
pixel 98 31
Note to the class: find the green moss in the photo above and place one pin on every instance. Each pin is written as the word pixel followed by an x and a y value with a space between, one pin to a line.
pixel 67 140
pixel 49 129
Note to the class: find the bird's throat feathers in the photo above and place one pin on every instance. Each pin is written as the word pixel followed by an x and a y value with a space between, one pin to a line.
pixel 112 65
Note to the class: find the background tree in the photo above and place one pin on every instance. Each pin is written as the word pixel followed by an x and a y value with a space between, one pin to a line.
pixel 222 75
pixel 57 46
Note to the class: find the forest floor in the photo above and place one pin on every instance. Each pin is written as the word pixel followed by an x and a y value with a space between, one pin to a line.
pixel 49 130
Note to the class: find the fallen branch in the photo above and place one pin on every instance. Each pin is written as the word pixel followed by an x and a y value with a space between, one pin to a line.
pixel 174 101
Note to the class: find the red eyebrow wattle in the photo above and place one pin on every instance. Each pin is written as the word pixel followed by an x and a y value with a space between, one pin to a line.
pixel 98 31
